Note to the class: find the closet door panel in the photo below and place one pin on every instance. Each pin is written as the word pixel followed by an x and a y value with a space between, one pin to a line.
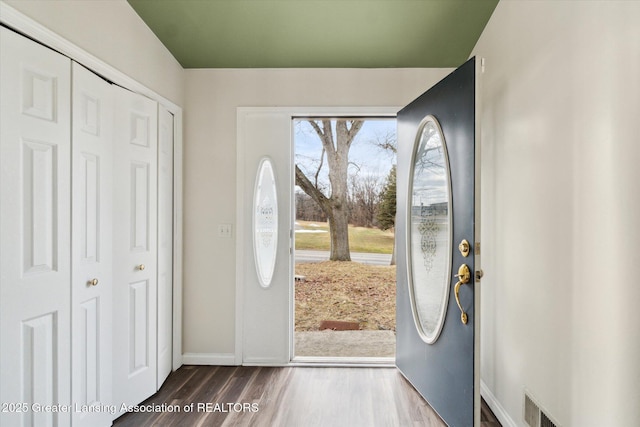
pixel 135 247
pixel 165 243
pixel 35 272
pixel 92 264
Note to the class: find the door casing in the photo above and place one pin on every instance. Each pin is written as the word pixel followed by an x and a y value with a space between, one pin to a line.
pixel 244 262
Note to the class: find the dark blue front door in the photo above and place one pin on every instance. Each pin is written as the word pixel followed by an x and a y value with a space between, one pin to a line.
pixel 437 212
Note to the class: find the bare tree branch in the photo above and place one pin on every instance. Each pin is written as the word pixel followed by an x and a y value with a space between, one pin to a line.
pixel 319 167
pixel 307 186
pixel 386 142
pixel 356 125
pixel 326 135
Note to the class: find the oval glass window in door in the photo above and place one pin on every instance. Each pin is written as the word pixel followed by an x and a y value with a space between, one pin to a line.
pixel 430 230
pixel 265 222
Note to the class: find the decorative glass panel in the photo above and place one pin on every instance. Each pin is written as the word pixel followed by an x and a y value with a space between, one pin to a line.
pixel 429 239
pixel 265 222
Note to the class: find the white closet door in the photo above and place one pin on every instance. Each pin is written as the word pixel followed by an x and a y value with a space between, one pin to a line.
pixel 165 243
pixel 135 247
pixel 35 272
pixel 91 256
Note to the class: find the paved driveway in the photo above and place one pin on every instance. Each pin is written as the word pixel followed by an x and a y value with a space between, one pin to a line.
pixel 364 258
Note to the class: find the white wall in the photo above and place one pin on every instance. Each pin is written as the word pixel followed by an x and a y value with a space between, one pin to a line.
pixel 113 32
pixel 561 203
pixel 212 97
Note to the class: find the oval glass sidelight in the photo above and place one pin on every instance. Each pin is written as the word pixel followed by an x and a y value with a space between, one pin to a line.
pixel 429 230
pixel 265 222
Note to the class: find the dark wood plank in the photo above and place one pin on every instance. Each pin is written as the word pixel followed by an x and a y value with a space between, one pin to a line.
pixel 487 417
pixel 208 390
pixel 253 395
pixel 290 396
pixel 228 398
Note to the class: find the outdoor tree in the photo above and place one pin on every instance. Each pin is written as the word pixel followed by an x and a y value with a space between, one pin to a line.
pixel 307 209
pixel 387 207
pixel 335 147
pixel 364 197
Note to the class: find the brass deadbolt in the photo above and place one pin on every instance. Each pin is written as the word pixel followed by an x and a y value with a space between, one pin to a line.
pixel 464 247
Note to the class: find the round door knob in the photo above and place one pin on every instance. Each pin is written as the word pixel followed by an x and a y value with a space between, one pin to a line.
pixel 141 267
pixel 93 282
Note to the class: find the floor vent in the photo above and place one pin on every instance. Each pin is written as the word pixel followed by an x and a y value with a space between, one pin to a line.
pixel 531 412
pixel 534 416
pixel 545 421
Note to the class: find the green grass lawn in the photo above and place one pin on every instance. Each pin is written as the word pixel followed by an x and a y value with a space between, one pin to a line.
pixel 361 239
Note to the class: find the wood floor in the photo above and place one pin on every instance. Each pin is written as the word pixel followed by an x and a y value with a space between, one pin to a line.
pixel 289 396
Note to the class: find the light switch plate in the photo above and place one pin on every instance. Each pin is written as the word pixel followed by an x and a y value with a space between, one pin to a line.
pixel 225 230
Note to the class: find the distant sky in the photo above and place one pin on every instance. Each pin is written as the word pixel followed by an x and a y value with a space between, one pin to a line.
pixel 371 159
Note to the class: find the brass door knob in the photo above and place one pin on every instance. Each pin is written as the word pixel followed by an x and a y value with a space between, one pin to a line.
pixel 141 267
pixel 464 275
pixel 93 282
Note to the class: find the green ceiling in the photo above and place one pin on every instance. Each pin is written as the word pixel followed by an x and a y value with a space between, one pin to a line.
pixel 317 33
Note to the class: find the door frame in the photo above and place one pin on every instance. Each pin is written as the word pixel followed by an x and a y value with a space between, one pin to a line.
pixel 243 264
pixel 15 20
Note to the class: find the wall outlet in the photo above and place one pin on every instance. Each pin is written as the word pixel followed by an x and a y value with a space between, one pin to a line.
pixel 225 231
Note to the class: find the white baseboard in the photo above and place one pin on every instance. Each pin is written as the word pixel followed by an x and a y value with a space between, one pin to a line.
pixel 214 359
pixel 500 413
